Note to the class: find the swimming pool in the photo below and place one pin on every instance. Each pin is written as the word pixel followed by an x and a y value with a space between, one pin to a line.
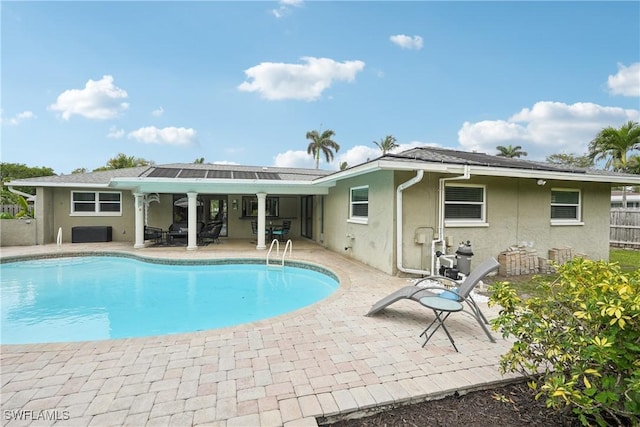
pixel 106 297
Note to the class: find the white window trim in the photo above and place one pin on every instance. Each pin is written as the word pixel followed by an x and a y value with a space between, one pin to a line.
pixel 96 203
pixel 568 222
pixel 357 219
pixel 466 222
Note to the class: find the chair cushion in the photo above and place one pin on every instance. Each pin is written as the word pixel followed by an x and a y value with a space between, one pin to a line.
pixel 450 295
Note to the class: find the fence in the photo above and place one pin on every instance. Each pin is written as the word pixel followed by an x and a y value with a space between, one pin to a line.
pixel 625 228
pixel 11 209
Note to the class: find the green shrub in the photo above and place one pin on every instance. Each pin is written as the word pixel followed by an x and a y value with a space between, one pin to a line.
pixel 579 343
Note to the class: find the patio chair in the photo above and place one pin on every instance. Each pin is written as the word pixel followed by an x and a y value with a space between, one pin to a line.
pixel 254 228
pixel 451 290
pixel 210 233
pixel 281 231
pixel 153 233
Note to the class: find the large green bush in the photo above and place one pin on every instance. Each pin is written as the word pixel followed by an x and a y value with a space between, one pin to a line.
pixel 580 343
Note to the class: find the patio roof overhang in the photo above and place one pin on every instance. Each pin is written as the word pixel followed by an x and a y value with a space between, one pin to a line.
pixel 219 186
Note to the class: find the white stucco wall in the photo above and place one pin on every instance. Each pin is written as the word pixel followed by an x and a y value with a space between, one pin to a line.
pixel 517 211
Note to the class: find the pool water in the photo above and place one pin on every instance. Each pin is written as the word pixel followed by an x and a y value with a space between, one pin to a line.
pixel 95 298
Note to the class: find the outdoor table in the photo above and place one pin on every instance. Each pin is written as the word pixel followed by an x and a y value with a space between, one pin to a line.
pixel 439 305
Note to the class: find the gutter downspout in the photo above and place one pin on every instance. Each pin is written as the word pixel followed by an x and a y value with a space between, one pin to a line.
pixel 441 185
pixel 399 240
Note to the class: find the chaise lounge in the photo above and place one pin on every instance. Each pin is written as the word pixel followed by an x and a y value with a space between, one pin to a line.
pixel 461 294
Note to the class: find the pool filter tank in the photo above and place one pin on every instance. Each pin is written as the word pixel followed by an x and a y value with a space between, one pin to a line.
pixel 463 258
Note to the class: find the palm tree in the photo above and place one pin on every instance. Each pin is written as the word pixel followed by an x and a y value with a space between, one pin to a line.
pixel 122 161
pixel 510 151
pixel 612 145
pixel 387 144
pixel 322 142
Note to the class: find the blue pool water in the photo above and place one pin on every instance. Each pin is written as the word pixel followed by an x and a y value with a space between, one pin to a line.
pixel 95 298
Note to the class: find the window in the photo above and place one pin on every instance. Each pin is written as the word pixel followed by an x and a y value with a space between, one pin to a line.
pixel 101 203
pixel 250 206
pixel 464 204
pixel 565 206
pixel 359 204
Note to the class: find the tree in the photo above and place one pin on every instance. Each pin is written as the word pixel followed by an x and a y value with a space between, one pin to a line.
pixel 510 151
pixel 78 170
pixel 199 161
pixel 613 145
pixel 12 171
pixel 343 166
pixel 572 160
pixel 386 144
pixel 322 143
pixel 122 161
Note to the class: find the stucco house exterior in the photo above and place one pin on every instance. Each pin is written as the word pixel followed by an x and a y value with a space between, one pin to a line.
pixel 392 212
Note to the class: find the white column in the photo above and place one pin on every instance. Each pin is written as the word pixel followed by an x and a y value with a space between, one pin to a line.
pixel 262 201
pixel 139 220
pixel 192 241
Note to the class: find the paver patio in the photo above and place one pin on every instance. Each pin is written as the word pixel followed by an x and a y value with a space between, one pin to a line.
pixel 324 360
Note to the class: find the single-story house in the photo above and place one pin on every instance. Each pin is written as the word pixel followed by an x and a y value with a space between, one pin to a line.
pixel 392 212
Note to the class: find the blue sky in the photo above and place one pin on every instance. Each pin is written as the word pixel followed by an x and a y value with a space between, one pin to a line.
pixel 243 82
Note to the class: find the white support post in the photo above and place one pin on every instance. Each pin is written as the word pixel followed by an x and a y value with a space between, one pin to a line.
pixel 139 220
pixel 262 198
pixel 192 241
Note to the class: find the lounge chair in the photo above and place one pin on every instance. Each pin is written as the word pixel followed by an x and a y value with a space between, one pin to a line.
pixel 210 233
pixel 153 233
pixel 462 293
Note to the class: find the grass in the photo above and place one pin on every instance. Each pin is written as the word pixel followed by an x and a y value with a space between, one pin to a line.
pixel 629 260
pixel 529 286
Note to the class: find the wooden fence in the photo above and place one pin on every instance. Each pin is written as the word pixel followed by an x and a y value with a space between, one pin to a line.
pixel 625 228
pixel 12 209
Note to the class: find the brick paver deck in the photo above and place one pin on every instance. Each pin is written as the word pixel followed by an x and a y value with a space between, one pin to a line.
pixel 321 361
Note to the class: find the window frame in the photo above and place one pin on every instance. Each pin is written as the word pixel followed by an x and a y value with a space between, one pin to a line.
pixel 578 206
pixel 96 202
pixel 250 205
pixel 466 222
pixel 358 219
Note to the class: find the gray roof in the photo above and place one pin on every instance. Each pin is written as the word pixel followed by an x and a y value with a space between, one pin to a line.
pixel 182 170
pixel 443 155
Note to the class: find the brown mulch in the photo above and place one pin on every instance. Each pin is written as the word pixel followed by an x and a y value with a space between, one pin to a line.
pixel 506 406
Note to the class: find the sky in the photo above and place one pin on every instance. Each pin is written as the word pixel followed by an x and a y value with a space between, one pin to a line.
pixel 243 82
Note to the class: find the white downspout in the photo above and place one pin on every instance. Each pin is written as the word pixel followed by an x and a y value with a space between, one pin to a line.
pixel 441 184
pixel 399 240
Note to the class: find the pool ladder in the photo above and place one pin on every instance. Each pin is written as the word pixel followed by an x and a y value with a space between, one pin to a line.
pixel 288 245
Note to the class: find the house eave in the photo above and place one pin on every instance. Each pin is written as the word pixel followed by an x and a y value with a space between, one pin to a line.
pixel 199 185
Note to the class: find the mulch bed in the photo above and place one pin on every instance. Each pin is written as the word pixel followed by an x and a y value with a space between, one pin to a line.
pixel 506 406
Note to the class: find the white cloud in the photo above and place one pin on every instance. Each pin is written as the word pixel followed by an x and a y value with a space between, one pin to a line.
pixel 407 42
pixel 115 133
pixel 278 81
pixel 363 153
pixel 295 159
pixel 98 100
pixel 19 118
pixel 225 162
pixel 354 156
pixel 284 8
pixel 168 135
pixel 547 128
pixel 157 112
pixel 626 82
